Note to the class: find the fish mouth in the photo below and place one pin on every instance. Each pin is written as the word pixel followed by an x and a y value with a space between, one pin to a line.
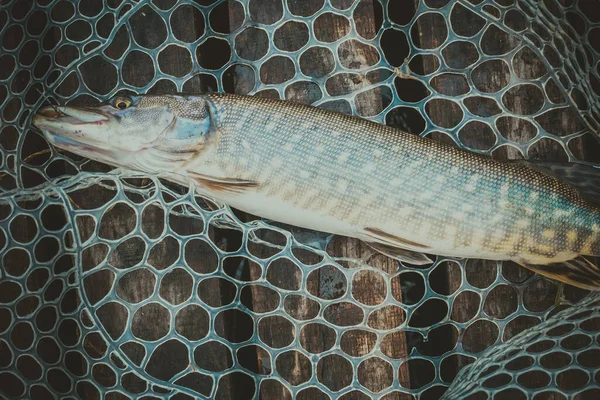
pixel 60 118
pixel 62 127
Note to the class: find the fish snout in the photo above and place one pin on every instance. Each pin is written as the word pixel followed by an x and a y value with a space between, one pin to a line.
pixel 49 112
pixel 45 114
pixel 69 116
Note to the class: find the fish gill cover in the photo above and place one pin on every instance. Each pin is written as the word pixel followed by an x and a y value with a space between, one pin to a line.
pixel 121 285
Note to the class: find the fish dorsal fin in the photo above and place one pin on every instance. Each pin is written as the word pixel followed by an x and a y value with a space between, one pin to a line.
pixel 396 247
pixel 217 184
pixel 579 272
pixel 585 178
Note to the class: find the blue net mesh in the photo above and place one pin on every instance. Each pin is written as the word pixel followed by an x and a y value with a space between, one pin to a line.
pixel 557 358
pixel 119 285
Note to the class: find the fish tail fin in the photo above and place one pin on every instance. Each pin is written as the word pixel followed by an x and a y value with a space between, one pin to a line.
pixel 582 272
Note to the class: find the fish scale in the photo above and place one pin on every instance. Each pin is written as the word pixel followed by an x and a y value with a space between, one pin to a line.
pixel 402 194
pixel 414 187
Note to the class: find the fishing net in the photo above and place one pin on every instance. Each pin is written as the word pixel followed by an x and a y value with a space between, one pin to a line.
pixel 118 285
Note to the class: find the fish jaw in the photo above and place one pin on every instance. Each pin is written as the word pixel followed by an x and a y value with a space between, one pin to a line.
pixel 89 150
pixel 65 126
pixel 68 120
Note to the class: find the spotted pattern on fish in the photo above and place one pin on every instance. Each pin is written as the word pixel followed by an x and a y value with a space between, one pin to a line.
pixel 369 175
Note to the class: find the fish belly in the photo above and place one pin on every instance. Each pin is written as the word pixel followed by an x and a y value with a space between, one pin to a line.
pixel 287 212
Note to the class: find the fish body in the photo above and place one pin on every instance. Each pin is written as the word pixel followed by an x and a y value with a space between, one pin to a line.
pixel 403 194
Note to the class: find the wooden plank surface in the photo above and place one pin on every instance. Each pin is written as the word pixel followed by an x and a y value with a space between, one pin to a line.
pixel 366 286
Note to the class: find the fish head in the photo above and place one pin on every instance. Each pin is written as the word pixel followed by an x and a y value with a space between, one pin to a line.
pixel 147 133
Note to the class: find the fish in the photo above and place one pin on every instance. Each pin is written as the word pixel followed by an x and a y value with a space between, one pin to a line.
pixel 404 195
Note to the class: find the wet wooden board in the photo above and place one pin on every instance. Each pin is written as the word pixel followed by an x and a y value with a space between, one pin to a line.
pixel 343 247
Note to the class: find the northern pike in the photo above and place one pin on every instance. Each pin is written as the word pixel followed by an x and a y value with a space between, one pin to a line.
pixel 404 195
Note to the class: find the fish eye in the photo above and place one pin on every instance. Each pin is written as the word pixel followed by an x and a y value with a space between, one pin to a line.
pixel 122 103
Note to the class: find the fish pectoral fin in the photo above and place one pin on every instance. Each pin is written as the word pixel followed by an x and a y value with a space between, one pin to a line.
pixel 579 272
pixel 408 256
pixel 223 184
pixel 396 247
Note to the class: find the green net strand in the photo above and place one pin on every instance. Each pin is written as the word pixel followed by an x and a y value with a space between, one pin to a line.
pixel 524 358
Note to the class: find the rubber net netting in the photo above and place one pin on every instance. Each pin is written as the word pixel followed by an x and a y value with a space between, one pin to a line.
pixel 117 285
